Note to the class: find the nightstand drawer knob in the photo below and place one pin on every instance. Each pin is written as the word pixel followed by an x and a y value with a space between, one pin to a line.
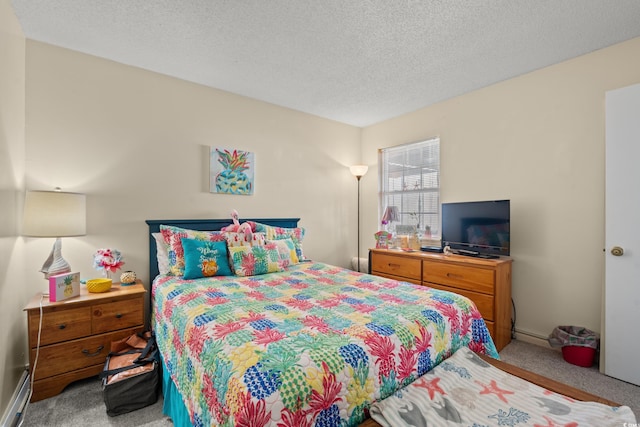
pixel 118 315
pixel 62 326
pixel 86 352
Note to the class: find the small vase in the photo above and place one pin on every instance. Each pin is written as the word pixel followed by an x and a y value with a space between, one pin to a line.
pixel 127 278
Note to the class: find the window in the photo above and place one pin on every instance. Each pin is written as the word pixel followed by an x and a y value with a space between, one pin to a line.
pixel 410 181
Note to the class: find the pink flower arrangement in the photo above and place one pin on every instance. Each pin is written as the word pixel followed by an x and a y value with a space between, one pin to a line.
pixel 108 260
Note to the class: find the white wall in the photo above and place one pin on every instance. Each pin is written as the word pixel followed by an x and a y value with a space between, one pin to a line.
pixel 136 143
pixel 538 140
pixel 12 165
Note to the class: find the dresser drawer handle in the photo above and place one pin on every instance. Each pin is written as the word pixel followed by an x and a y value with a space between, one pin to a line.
pixel 118 315
pixel 394 265
pixel 455 276
pixel 86 352
pixel 62 326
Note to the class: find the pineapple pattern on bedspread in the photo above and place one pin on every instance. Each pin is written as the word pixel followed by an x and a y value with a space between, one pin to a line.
pixel 313 345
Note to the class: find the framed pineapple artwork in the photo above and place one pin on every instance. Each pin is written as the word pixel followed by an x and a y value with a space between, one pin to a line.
pixel 63 286
pixel 231 171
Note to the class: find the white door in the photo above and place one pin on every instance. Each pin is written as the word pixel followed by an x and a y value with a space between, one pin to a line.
pixel 622 271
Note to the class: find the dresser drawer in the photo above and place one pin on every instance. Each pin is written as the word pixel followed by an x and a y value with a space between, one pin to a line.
pixel 117 315
pixel 402 279
pixel 408 268
pixel 59 326
pixel 459 276
pixel 483 302
pixel 76 354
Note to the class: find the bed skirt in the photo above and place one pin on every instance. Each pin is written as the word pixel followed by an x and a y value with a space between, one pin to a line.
pixel 173 405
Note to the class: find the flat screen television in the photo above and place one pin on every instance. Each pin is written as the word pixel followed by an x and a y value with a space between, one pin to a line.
pixel 477 228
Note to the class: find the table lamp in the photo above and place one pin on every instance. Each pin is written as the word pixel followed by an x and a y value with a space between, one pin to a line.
pixel 390 215
pixel 54 214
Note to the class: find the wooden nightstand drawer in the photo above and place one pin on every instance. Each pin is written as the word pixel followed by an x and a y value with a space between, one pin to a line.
pixel 117 315
pixel 76 354
pixel 59 326
pixel 397 266
pixel 483 302
pixel 459 276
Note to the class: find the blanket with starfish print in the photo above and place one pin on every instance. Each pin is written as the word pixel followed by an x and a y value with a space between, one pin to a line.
pixel 464 390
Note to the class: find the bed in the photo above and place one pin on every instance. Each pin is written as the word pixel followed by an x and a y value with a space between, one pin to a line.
pixel 313 344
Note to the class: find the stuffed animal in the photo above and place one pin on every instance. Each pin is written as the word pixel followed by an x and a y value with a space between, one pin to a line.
pixel 247 227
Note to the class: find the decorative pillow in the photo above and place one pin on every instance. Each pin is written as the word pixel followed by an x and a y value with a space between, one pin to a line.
pixel 254 260
pixel 205 259
pixel 162 253
pixel 286 250
pixel 244 239
pixel 173 235
pixel 278 233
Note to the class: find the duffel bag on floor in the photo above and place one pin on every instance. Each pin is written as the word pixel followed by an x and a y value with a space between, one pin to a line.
pixel 131 375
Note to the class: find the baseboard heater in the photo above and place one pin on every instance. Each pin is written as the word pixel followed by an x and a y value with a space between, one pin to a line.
pixel 17 403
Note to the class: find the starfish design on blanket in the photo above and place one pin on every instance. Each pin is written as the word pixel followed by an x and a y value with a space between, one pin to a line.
pixel 493 388
pixel 431 386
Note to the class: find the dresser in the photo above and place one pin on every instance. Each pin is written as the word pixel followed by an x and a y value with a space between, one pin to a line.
pixel 76 334
pixel 486 282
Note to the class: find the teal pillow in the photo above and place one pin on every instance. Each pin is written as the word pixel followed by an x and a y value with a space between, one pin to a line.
pixel 205 259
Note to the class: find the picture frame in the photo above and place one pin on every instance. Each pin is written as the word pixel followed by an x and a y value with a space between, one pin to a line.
pixel 64 286
pixel 231 171
pixel 383 239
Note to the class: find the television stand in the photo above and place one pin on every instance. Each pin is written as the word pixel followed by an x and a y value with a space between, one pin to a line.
pixel 487 256
pixel 475 254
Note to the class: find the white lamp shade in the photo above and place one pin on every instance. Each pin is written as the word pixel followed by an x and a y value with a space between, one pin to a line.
pixel 54 214
pixel 359 170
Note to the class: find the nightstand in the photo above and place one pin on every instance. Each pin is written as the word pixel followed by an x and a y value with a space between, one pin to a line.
pixel 76 334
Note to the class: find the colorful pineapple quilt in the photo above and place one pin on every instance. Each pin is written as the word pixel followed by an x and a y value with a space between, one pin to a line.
pixel 313 345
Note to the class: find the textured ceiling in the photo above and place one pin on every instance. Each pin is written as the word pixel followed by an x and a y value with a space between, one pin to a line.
pixel 357 62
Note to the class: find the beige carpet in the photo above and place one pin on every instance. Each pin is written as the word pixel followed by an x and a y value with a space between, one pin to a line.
pixel 81 403
pixel 549 363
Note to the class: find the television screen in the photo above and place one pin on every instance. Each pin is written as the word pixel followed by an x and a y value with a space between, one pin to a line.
pixel 477 228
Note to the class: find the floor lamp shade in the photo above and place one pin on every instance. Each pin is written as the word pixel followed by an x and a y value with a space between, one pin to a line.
pixel 359 170
pixel 54 214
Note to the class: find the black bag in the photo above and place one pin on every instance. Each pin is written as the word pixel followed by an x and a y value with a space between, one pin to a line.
pixel 131 374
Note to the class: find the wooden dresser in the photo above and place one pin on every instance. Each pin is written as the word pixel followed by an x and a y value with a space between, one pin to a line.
pixel 76 334
pixel 487 282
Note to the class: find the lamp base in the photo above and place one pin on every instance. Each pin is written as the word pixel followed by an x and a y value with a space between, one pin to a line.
pixel 55 264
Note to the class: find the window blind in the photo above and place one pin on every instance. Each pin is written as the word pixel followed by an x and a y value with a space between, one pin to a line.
pixel 410 180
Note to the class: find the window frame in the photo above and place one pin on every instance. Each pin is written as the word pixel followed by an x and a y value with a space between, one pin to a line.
pixel 426 209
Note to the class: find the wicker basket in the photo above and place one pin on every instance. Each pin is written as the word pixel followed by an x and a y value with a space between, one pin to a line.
pixel 99 285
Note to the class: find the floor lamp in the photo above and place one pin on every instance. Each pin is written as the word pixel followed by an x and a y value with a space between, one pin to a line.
pixel 359 171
